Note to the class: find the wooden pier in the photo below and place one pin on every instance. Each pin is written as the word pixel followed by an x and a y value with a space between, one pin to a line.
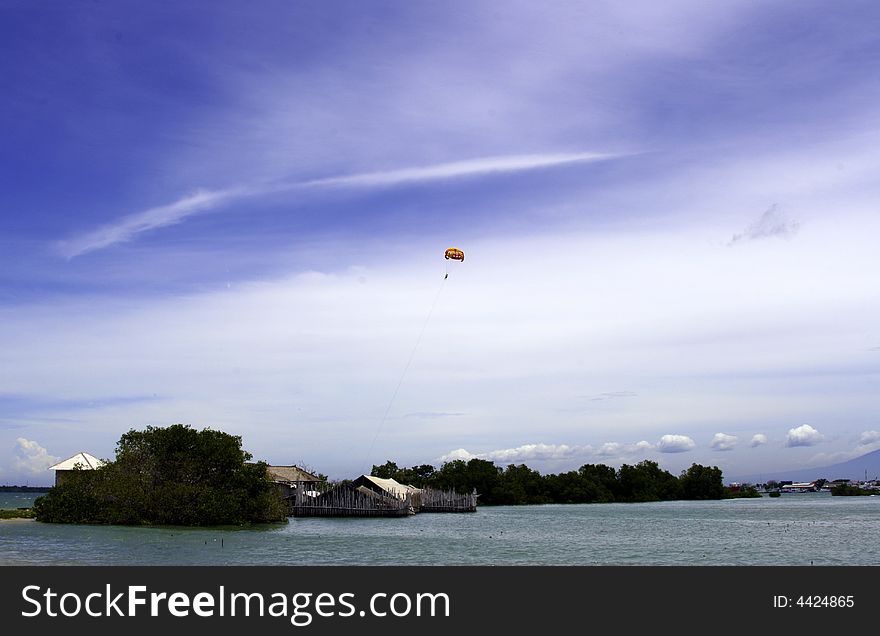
pixel 362 498
pixel 345 500
pixel 447 501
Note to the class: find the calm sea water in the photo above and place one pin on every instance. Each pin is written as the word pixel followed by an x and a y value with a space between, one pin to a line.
pixel 796 529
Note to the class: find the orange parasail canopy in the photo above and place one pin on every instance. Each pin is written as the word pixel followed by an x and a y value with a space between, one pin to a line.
pixel 455 254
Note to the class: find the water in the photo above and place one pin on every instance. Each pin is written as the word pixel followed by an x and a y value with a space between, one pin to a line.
pixel 796 529
pixel 13 500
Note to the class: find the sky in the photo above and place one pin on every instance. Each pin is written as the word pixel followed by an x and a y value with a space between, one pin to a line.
pixel 234 217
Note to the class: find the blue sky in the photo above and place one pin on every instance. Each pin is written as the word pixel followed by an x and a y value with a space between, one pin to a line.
pixel 235 217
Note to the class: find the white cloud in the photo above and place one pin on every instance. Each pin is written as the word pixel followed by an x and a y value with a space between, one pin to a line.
pixel 804 435
pixel 610 449
pixel 320 351
pixel 526 452
pixel 758 439
pixel 178 211
pixel 551 452
pixel 616 449
pixel 869 437
pixel 161 216
pixel 723 442
pixel 456 169
pixel 611 395
pixel 675 444
pixel 457 454
pixel 538 452
pixel 31 458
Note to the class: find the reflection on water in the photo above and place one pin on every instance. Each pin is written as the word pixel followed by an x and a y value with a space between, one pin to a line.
pixel 791 530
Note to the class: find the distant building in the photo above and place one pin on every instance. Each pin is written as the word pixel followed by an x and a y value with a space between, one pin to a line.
pixel 286 478
pixel 80 461
pixel 388 487
pixel 804 486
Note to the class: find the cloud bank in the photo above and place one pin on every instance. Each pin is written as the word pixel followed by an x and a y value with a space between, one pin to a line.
pixel 526 452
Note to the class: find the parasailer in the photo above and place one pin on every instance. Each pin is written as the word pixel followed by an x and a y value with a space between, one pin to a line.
pixel 454 254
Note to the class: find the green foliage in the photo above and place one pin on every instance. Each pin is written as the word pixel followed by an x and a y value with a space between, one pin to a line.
pixel 848 490
pixel 591 483
pixel 417 476
pixel 702 482
pixel 520 485
pixel 168 476
pixel 745 491
pixel 646 481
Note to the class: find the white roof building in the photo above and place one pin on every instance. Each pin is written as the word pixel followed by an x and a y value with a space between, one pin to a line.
pixel 390 486
pixel 83 461
pixel 80 461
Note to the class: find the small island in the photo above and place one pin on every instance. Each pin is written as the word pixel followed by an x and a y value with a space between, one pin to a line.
pixel 848 490
pixel 168 476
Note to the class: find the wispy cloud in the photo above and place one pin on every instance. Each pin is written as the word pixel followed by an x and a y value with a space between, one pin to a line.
pixel 161 216
pixel 430 415
pixel 771 223
pixel 128 227
pixel 457 169
pixel 610 395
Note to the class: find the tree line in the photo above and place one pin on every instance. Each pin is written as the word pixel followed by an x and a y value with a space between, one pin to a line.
pixel 591 483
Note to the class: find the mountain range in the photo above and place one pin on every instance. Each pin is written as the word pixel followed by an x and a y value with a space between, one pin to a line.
pixel 853 469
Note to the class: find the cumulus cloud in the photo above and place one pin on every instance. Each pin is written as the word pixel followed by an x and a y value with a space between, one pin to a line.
pixel 458 453
pixel 31 458
pixel 616 449
pixel 675 444
pixel 869 437
pixel 538 452
pixel 723 442
pixel 771 223
pixel 758 439
pixel 609 449
pixel 804 435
